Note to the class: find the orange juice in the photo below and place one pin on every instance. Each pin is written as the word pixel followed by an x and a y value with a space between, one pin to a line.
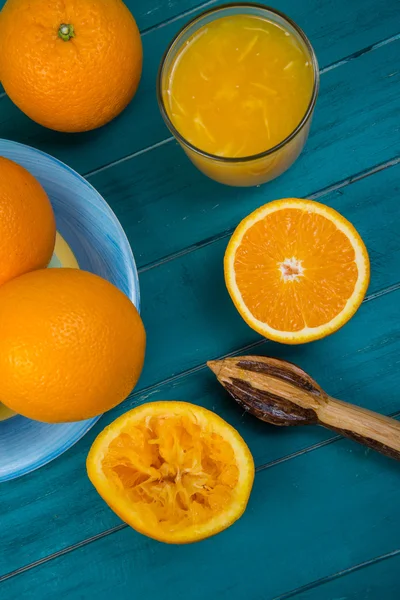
pixel 237 87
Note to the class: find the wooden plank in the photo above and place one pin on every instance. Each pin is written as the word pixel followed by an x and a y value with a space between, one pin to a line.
pixel 57 506
pixel 187 325
pixel 377 580
pixel 187 312
pixel 153 12
pixel 177 205
pixel 59 503
pixel 141 124
pixel 306 519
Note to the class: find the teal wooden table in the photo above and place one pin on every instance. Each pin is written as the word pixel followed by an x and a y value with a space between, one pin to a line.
pixel 323 520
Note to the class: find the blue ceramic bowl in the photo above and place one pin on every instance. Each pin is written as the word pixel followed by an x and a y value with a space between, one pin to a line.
pixel 99 244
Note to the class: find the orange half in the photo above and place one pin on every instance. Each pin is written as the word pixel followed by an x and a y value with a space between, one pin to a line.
pixel 173 471
pixel 296 270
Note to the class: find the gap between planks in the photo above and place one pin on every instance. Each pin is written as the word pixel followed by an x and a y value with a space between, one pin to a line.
pixel 145 392
pixel 186 13
pixel 319 194
pixel 313 196
pixel 358 53
pixel 259 469
pixel 342 573
pixel 147 30
pixel 245 349
pixel 338 63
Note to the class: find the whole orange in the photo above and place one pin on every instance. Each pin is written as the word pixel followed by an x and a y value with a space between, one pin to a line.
pixel 72 345
pixel 27 223
pixel 70 66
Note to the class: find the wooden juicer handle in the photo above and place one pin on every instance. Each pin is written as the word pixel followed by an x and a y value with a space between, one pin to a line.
pixel 283 394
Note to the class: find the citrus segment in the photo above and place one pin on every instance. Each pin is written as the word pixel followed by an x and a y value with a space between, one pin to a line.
pixel 296 270
pixel 173 471
pixel 63 255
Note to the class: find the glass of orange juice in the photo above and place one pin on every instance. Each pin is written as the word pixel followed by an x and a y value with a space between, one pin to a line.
pixel 237 88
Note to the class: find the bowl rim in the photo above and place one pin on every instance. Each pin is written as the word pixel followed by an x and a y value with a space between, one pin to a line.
pixel 78 435
pixel 82 427
pixel 133 277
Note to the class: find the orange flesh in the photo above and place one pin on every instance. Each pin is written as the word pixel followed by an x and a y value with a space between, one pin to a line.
pixel 239 86
pixel 173 472
pixel 308 291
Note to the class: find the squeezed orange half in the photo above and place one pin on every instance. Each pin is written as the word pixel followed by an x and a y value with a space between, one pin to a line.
pixel 173 471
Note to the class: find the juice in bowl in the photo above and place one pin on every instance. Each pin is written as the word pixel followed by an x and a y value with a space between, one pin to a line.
pixel 237 88
pixel 62 257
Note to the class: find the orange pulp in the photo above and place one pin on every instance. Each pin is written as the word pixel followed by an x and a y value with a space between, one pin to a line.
pixel 239 86
pixel 296 270
pixel 173 471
